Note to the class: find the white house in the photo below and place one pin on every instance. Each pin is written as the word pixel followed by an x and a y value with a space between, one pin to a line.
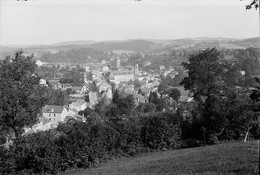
pixel 54 113
pixel 93 99
pixel 79 105
pixel 43 82
pixel 124 76
pixel 39 63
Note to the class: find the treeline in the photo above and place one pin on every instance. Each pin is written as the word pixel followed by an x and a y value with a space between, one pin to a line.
pixel 74 56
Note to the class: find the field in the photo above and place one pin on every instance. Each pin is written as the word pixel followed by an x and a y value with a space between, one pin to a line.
pixel 225 158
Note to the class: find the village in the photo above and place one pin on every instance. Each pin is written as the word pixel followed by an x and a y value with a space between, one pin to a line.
pixel 100 81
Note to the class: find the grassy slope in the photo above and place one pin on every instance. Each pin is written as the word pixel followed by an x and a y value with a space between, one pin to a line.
pixel 226 158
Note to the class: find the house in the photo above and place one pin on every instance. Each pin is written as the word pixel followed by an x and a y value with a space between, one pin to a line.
pixel 54 113
pixel 127 88
pixel 79 89
pixel 43 82
pixel 65 86
pixel 39 63
pixel 153 85
pixel 124 76
pixel 139 98
pixel 93 98
pixel 75 97
pixel 79 105
pixel 162 67
pixel 105 88
pixel 145 81
pixel 145 91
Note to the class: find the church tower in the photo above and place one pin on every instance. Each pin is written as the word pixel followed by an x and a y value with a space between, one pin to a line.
pixel 118 62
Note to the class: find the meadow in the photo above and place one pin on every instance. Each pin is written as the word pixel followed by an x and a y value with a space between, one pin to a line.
pixel 228 158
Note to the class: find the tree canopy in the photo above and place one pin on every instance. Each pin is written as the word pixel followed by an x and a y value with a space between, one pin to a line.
pixel 207 73
pixel 22 97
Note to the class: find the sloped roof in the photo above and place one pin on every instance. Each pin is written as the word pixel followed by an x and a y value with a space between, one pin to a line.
pixel 52 109
pixel 138 96
pixel 76 88
pixel 91 87
pixel 146 90
pixel 103 84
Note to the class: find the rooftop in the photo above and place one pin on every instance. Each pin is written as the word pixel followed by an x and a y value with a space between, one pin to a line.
pixel 53 109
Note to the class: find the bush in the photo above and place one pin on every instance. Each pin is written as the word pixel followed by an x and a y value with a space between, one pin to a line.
pixel 160 130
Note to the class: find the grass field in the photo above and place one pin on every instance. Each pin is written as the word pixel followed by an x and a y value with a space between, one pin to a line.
pixel 226 158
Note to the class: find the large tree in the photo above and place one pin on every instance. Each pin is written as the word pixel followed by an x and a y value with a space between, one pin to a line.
pixel 21 95
pixel 208 80
pixel 207 75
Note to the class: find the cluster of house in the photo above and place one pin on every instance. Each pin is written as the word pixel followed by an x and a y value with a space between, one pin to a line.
pixel 52 115
pixel 98 84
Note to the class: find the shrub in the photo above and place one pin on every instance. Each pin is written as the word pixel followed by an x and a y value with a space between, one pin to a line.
pixel 160 130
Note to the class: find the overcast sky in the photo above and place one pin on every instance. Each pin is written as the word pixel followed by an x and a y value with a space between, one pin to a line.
pixel 52 21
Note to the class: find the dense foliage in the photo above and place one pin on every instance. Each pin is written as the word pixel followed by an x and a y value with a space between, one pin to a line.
pixel 220 104
pixel 74 77
pixel 87 144
pixel 20 92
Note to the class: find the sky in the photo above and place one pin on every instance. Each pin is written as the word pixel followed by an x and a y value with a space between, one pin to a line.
pixel 52 21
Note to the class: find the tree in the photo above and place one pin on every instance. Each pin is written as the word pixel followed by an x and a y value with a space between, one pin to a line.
pixel 146 107
pixel 137 84
pixel 22 97
pixel 253 4
pixel 163 88
pixel 207 81
pixel 175 94
pixel 74 77
pixel 153 98
pixel 255 95
pixel 206 75
pixel 57 97
pixel 86 112
pixel 116 97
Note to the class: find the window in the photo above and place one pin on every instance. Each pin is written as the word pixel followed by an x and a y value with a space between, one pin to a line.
pixel 54 115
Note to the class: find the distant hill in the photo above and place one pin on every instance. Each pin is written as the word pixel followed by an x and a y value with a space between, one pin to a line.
pixel 251 42
pixel 80 42
pixel 131 45
pixel 155 46
pixel 74 56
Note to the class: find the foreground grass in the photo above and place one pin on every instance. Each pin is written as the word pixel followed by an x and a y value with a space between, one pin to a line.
pixel 226 158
